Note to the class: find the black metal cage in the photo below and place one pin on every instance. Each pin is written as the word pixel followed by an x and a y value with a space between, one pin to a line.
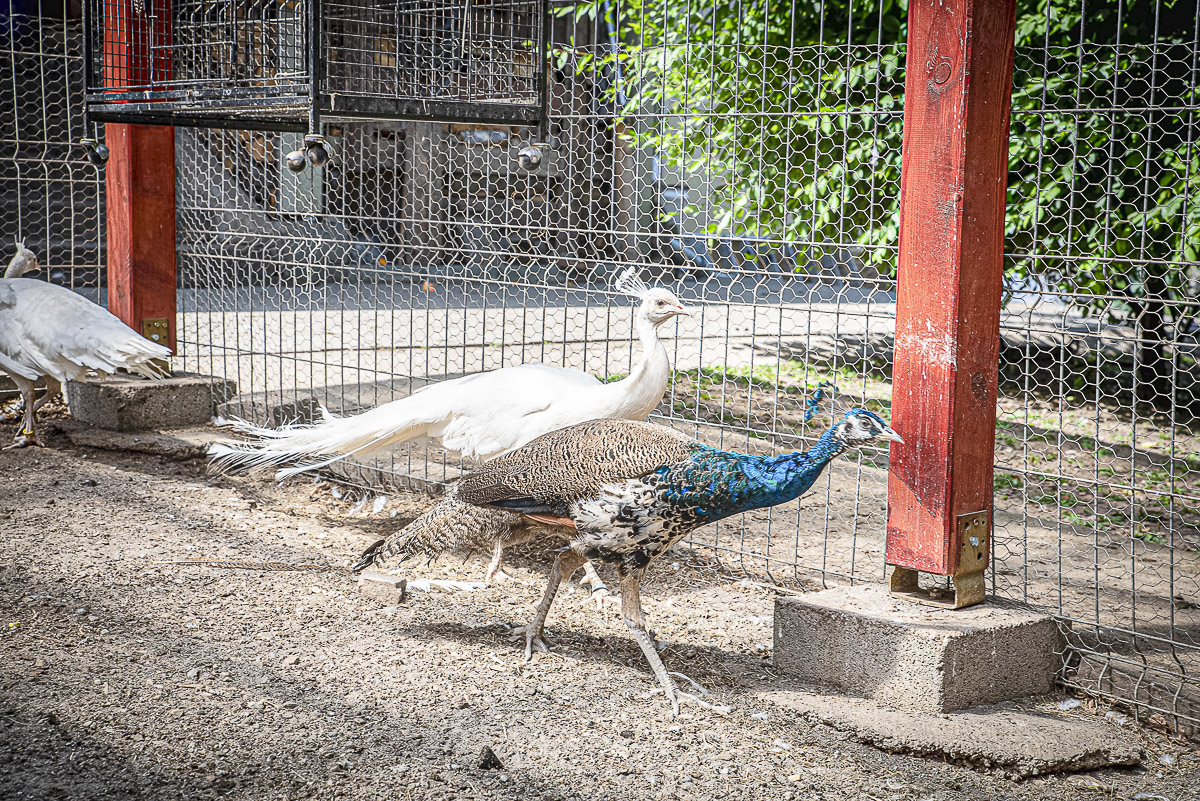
pixel 289 64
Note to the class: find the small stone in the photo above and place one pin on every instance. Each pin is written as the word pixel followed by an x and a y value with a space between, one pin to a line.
pixel 291 660
pixel 1168 760
pixel 194 673
pixel 1088 783
pixel 723 756
pixel 1067 704
pixel 88 482
pixel 489 761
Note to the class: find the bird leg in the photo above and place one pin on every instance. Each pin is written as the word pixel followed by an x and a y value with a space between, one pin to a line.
pixel 600 594
pixel 494 571
pixel 567 563
pixel 27 434
pixel 631 610
pixel 53 389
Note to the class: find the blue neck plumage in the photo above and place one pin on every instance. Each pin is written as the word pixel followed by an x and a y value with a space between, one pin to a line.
pixel 741 482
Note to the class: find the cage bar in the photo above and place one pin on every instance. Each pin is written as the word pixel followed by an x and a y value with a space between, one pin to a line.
pixel 286 66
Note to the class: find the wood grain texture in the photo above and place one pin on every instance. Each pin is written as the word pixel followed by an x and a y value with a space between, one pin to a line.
pixel 957 98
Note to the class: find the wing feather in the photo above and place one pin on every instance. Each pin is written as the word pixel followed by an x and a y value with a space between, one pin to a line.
pixel 574 462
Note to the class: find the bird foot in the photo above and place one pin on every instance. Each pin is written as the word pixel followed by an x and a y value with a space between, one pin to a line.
pixel 603 599
pixel 677 696
pixel 26 439
pixel 496 576
pixel 695 700
pixel 544 643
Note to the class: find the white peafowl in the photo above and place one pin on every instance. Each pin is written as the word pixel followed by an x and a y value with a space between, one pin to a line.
pixel 48 331
pixel 620 492
pixel 480 416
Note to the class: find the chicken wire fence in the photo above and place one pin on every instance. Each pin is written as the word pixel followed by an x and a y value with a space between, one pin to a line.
pixel 49 197
pixel 754 169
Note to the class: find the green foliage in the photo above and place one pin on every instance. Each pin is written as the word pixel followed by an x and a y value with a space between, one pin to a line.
pixel 792 113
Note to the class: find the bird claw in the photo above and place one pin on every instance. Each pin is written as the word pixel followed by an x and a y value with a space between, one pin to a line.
pixel 496 576
pixel 603 599
pixel 677 696
pixel 26 439
pixel 544 643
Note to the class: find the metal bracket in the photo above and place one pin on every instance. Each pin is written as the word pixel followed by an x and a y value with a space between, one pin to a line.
pixel 156 329
pixel 974 536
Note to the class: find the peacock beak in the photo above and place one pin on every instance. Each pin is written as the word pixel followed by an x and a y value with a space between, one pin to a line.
pixel 892 435
pixel 680 311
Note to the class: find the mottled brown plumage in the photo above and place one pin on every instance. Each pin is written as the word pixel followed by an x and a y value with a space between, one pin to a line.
pixel 576 461
pixel 449 526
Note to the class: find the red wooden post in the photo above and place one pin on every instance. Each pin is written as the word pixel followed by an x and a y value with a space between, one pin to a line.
pixel 140 206
pixel 957 97
pixel 140 176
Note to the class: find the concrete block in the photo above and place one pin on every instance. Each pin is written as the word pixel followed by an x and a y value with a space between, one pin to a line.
pixel 861 641
pixel 382 587
pixel 131 403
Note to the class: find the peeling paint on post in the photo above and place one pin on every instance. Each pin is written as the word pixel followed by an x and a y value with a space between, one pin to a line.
pixel 140 175
pixel 957 97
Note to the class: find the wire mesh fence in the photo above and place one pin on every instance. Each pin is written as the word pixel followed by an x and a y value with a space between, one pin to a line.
pixel 756 173
pixel 49 197
pixel 1098 459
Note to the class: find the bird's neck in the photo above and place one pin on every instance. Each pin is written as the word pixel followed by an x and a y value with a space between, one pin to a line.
pixel 636 396
pixel 754 482
pixel 795 472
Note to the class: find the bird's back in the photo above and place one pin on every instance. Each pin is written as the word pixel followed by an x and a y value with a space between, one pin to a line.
pixel 576 461
pixel 53 331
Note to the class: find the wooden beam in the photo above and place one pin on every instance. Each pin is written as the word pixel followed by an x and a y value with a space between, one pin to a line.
pixel 957 97
pixel 140 207
pixel 140 175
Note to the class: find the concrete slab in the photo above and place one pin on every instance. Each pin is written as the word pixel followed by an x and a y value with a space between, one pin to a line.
pixel 861 641
pixel 1022 739
pixel 132 403
pixel 180 445
pixel 382 587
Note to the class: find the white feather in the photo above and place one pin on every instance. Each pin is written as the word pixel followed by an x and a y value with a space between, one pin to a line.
pixel 47 330
pixel 480 416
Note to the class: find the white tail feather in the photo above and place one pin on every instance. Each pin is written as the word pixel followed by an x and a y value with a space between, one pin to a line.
pixel 334 438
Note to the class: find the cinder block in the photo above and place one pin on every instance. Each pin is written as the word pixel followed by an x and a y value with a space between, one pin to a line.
pixel 382 587
pixel 861 641
pixel 132 403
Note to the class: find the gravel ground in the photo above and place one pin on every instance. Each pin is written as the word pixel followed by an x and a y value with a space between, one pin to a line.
pixel 120 678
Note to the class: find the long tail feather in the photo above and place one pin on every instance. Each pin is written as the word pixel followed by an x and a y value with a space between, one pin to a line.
pixel 310 447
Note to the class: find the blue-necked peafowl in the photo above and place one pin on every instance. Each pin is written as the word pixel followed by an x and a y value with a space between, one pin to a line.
pixel 480 416
pixel 622 492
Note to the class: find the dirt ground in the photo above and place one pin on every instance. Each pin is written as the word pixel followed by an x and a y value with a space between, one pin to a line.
pixel 121 678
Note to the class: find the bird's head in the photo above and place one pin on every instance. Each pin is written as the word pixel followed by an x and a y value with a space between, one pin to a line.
pixel 859 427
pixel 658 304
pixel 24 262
